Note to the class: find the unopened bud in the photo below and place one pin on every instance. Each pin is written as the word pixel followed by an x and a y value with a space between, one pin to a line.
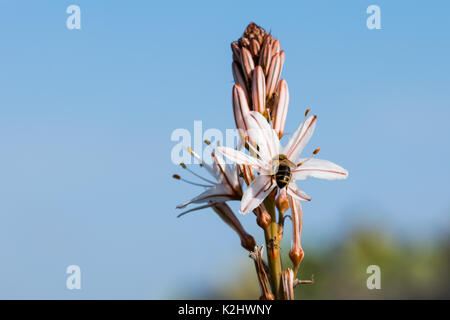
pixel 296 254
pixel 282 202
pixel 263 218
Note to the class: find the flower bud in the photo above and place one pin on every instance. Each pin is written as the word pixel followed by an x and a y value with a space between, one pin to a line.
pixel 227 215
pixel 259 90
pixel 281 107
pixel 296 253
pixel 282 201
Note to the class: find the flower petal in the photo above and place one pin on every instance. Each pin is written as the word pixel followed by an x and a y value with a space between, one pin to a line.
pixel 228 174
pixel 266 138
pixel 217 193
pixel 296 193
pixel 300 138
pixel 319 168
pixel 240 157
pixel 255 194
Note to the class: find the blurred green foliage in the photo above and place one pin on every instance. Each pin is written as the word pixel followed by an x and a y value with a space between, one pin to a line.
pixel 408 270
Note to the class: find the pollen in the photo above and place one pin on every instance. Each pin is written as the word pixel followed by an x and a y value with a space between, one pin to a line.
pixel 175 176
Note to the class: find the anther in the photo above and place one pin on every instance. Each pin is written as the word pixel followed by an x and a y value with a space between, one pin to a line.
pixel 316 151
pixel 207 142
pixel 175 176
pixel 307 111
pixel 190 150
pixel 183 165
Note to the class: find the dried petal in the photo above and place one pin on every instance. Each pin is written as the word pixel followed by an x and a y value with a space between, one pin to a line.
pixel 288 284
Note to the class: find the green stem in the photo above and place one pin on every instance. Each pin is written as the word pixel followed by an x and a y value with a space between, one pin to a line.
pixel 273 249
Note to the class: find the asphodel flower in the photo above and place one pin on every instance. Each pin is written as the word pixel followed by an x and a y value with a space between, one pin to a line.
pixel 227 187
pixel 266 157
pixel 227 184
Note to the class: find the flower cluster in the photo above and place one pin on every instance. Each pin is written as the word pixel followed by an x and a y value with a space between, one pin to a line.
pixel 264 172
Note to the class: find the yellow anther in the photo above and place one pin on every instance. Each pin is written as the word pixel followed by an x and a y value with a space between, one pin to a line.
pixel 207 142
pixel 316 151
pixel 175 176
pixel 190 150
pixel 299 164
pixel 183 165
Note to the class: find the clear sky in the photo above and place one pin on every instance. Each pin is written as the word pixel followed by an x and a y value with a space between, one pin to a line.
pixel 86 117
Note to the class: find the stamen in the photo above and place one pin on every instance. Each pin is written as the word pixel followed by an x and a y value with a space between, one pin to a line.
pixel 207 142
pixel 196 208
pixel 196 174
pixel 196 184
pixel 314 153
pixel 175 176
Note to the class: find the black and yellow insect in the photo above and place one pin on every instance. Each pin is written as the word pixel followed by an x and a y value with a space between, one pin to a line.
pixel 282 167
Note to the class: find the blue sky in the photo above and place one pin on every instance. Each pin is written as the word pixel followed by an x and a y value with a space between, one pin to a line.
pixel 86 117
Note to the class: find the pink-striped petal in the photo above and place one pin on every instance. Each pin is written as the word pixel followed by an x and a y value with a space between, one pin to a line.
pixel 240 157
pixel 266 138
pixel 296 193
pixel 300 138
pixel 255 194
pixel 218 193
pixel 319 168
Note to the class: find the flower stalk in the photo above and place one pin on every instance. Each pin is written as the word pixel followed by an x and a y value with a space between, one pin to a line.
pixel 264 174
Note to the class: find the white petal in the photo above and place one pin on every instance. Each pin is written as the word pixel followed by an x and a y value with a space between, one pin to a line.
pixel 240 157
pixel 217 193
pixel 300 138
pixel 228 174
pixel 258 190
pixel 296 193
pixel 319 168
pixel 267 138
pixel 196 208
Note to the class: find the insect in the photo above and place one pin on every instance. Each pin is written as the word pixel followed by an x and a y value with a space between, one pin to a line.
pixel 282 167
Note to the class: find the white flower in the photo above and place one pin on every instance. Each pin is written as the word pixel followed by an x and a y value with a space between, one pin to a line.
pixel 227 185
pixel 266 161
